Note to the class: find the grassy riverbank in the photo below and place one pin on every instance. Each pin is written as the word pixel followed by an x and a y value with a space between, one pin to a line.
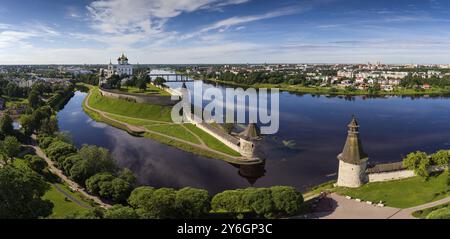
pixel 334 91
pixel 402 193
pixel 157 119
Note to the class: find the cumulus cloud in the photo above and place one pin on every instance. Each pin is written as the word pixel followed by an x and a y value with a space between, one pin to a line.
pixel 12 35
pixel 122 16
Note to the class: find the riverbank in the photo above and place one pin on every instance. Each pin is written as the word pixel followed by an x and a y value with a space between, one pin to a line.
pixel 153 122
pixel 334 91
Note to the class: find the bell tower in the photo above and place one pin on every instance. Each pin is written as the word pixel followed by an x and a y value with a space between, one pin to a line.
pixel 352 160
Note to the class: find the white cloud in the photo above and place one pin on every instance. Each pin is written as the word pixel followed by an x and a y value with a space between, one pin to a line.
pixel 223 25
pixel 18 36
pixel 122 16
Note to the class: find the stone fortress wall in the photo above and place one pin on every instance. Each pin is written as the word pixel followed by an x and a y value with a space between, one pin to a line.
pixel 227 139
pixel 147 99
pixel 399 174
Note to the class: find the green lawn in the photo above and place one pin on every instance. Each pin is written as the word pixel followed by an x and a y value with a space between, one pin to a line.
pixel 137 122
pixel 212 142
pixel 174 130
pixel 63 206
pixel 402 193
pixel 424 213
pixel 125 109
pixel 131 109
pixel 151 90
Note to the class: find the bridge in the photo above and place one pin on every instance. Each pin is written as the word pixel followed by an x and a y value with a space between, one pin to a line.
pixel 171 77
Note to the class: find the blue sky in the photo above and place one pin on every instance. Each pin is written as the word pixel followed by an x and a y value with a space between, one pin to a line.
pixel 224 31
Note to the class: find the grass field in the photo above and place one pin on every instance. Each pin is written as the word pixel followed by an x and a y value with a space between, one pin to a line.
pixel 211 141
pixel 151 90
pixel 148 116
pixel 402 193
pixel 131 109
pixel 424 213
pixel 63 206
pixel 174 130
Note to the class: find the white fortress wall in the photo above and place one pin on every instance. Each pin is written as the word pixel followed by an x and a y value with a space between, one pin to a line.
pixel 389 176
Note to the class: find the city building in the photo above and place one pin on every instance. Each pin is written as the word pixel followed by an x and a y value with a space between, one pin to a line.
pixel 123 68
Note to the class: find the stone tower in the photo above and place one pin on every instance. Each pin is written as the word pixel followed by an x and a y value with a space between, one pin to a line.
pixel 352 160
pixel 247 140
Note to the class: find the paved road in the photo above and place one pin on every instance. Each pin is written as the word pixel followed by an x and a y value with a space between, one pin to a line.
pixel 407 212
pixel 338 207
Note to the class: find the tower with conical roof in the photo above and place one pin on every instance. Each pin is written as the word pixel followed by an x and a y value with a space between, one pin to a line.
pixel 352 160
pixel 247 140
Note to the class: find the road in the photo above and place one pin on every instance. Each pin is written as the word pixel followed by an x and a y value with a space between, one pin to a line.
pixel 338 207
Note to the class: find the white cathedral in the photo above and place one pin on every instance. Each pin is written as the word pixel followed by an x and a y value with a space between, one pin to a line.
pixel 123 68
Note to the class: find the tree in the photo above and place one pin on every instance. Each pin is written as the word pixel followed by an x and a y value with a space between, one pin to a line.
pixel 36 163
pixel 159 81
pixel 10 147
pixel 34 99
pixel 287 200
pixel 21 191
pixel 6 125
pixel 49 125
pixel 92 184
pixel 27 124
pixel 150 203
pixel 417 161
pixel 59 151
pixel 230 201
pixel 440 158
pixel 121 212
pixel 128 176
pixel 110 187
pixel 94 160
pixel 140 197
pixel 192 203
pixel 141 84
pixel 259 200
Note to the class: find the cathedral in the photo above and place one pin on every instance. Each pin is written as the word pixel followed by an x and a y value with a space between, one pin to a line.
pixel 123 68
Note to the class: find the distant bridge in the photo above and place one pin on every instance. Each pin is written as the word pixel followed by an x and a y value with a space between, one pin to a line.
pixel 171 77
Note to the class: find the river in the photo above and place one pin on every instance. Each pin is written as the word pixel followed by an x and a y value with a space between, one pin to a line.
pixel 302 154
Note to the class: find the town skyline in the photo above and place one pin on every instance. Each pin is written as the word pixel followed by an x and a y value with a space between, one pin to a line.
pixel 224 32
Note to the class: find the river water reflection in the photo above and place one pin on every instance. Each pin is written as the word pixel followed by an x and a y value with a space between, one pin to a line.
pixel 302 154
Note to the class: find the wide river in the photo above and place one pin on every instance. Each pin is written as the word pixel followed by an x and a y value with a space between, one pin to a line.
pixel 302 154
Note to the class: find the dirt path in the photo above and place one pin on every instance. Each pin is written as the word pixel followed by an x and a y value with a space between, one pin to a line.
pixel 73 185
pixel 134 128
